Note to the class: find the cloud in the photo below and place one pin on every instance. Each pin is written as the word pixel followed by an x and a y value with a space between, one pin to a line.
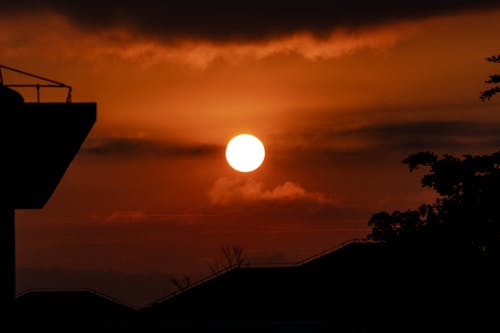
pixel 407 137
pixel 39 33
pixel 434 134
pixel 198 33
pixel 249 204
pixel 201 53
pixel 229 20
pixel 129 146
pixel 232 190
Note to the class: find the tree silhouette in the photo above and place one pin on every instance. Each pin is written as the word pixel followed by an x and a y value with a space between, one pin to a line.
pixel 493 79
pixel 181 283
pixel 397 226
pixel 232 257
pixel 465 214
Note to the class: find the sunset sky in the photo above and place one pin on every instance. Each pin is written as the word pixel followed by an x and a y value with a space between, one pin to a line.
pixel 339 93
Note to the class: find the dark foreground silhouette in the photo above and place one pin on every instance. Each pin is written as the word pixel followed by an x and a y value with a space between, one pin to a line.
pixel 433 269
pixel 70 310
pixel 38 141
pixel 430 269
pixel 361 287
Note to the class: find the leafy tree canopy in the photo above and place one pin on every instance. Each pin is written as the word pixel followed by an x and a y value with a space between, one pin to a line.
pixel 466 214
pixel 492 79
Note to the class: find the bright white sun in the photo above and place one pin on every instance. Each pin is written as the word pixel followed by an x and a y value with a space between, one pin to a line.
pixel 245 153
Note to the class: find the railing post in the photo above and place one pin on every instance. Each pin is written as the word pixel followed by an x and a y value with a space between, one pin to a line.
pixel 54 83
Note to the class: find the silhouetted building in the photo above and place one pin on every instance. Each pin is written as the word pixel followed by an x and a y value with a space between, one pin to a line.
pixel 38 141
pixel 362 287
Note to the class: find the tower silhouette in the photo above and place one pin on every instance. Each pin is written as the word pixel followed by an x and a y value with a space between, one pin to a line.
pixel 38 142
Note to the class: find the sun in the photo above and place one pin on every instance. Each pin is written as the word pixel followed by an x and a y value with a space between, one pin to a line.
pixel 245 153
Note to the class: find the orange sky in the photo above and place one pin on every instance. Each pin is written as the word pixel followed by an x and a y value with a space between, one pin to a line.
pixel 150 191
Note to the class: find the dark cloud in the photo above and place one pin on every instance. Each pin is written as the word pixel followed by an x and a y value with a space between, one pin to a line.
pixel 224 20
pixel 146 147
pixel 445 136
pixel 448 135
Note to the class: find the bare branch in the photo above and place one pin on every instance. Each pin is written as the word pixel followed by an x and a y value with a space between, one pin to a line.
pixel 181 283
pixel 238 256
pixel 228 256
pixel 215 267
pixel 233 257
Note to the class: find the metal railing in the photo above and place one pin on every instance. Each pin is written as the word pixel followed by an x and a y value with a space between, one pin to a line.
pixel 332 249
pixel 209 277
pixel 51 83
pixel 226 270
